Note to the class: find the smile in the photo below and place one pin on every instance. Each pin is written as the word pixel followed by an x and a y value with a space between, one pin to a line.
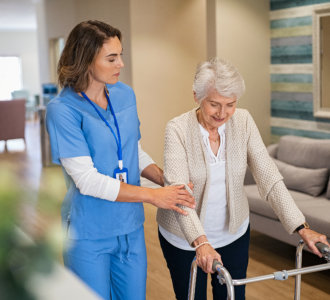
pixel 218 120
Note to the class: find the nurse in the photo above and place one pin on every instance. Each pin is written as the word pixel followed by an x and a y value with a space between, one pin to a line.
pixel 94 134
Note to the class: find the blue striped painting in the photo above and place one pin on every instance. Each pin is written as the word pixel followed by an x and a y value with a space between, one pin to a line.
pixel 303 78
pixel 292 92
pixel 294 22
pixel 292 54
pixel 281 4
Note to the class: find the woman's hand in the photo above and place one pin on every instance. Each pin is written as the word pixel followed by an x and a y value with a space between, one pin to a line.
pixel 311 237
pixel 170 196
pixel 205 255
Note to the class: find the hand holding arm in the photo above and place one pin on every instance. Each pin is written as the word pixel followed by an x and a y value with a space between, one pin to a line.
pixel 166 197
pixel 90 182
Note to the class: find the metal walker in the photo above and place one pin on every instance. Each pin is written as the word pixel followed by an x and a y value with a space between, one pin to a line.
pixel 225 278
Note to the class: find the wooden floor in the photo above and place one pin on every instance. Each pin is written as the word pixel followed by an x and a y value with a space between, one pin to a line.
pixel 266 255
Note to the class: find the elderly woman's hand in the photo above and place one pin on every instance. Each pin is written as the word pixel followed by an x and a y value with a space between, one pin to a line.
pixel 311 237
pixel 205 255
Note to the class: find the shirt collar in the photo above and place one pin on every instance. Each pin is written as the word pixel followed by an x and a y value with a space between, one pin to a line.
pixel 205 133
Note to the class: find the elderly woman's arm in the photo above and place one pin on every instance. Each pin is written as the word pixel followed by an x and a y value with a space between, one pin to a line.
pixel 271 188
pixel 176 172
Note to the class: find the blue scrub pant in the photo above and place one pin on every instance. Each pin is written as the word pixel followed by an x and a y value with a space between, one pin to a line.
pixel 115 268
pixel 234 256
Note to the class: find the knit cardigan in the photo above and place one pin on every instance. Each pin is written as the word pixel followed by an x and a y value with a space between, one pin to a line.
pixel 185 160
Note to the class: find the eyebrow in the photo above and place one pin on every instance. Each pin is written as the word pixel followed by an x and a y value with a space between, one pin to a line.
pixel 210 100
pixel 114 54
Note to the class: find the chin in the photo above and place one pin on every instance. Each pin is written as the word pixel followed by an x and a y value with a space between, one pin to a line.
pixel 113 81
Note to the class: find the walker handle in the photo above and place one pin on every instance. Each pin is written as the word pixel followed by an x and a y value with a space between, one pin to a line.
pixel 324 249
pixel 215 264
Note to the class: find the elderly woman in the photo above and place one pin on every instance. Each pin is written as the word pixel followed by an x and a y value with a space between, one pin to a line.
pixel 211 147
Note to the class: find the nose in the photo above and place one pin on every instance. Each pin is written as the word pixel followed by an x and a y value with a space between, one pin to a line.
pixel 222 112
pixel 120 62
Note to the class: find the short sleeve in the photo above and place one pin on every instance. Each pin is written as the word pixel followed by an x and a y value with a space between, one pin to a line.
pixel 64 128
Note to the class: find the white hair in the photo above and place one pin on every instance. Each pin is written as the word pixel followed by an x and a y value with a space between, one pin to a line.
pixel 218 74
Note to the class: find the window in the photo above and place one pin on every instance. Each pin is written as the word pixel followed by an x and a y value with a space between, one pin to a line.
pixel 10 76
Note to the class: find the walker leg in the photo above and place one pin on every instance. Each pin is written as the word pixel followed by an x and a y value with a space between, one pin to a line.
pixel 192 280
pixel 297 285
pixel 225 277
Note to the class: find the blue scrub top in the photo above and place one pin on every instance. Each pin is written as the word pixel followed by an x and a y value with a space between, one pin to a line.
pixel 75 129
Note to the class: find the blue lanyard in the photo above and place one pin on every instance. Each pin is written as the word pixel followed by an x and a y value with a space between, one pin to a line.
pixel 118 140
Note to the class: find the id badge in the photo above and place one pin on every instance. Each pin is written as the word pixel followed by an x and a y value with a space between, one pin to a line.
pixel 121 174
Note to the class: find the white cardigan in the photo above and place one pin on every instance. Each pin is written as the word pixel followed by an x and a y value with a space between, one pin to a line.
pixel 184 162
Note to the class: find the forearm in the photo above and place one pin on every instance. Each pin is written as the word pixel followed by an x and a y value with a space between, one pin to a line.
pixel 154 174
pixel 92 183
pixel 132 193
pixel 88 180
pixel 285 207
pixel 176 171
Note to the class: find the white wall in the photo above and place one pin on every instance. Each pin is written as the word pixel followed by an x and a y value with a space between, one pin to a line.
pixel 168 40
pixel 243 37
pixel 57 18
pixel 164 40
pixel 24 45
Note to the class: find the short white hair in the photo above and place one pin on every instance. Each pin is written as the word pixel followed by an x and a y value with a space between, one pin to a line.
pixel 218 74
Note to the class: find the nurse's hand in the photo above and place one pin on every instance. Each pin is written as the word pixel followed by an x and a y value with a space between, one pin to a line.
pixel 170 196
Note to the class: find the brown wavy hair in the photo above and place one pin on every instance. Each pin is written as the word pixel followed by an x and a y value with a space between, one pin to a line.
pixel 83 44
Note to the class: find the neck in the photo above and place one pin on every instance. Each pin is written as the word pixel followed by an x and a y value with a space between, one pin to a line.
pixel 95 92
pixel 212 130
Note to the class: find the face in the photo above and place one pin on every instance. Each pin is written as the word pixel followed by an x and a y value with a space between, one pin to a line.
pixel 108 62
pixel 216 110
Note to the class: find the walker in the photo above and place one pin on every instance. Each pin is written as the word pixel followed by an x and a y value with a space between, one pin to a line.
pixel 225 278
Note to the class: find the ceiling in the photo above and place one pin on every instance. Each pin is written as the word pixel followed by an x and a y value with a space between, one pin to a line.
pixel 17 15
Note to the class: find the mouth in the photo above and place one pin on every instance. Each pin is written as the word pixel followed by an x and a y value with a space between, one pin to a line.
pixel 117 74
pixel 218 119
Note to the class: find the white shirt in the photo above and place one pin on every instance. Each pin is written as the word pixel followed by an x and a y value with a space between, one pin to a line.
pixel 216 224
pixel 90 182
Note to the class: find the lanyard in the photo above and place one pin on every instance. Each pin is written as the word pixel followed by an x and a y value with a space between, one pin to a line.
pixel 118 140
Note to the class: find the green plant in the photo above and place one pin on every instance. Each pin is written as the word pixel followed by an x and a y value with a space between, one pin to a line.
pixel 20 255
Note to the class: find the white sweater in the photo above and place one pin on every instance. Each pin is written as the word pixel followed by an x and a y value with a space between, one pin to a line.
pixel 185 161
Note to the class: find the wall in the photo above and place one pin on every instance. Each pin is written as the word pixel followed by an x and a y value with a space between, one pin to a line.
pixel 24 45
pixel 57 19
pixel 292 70
pixel 242 31
pixel 168 40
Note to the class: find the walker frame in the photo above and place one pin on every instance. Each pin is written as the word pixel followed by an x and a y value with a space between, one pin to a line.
pixel 225 277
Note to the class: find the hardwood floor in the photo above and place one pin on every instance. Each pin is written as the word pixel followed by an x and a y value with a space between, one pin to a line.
pixel 266 254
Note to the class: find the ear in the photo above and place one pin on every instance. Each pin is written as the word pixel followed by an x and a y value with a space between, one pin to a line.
pixel 195 97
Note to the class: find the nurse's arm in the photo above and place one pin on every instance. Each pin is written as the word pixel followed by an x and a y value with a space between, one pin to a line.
pixel 92 183
pixel 165 197
pixel 154 174
pixel 148 167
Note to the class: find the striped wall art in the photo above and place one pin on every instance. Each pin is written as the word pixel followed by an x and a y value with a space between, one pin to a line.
pixel 292 70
